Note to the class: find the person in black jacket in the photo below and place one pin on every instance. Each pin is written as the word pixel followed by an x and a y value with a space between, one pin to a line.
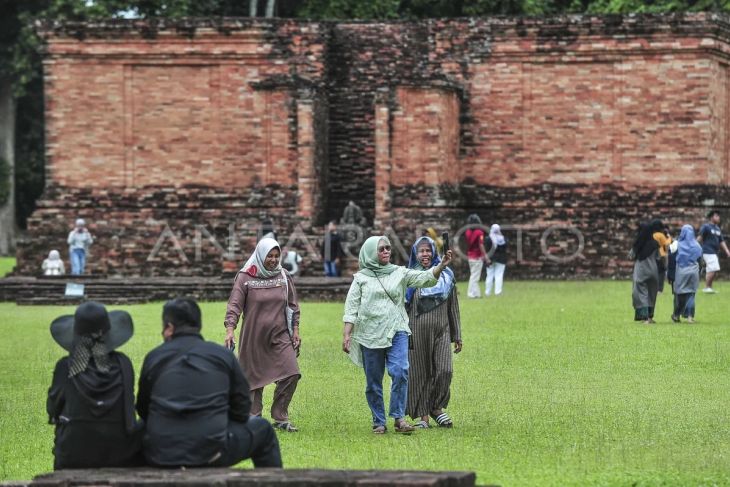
pixel 332 252
pixel 91 399
pixel 196 402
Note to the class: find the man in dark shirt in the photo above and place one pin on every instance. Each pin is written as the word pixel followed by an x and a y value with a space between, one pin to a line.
pixel 195 400
pixel 332 251
pixel 711 239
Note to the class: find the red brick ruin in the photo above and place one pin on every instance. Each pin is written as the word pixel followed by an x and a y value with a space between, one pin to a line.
pixel 167 136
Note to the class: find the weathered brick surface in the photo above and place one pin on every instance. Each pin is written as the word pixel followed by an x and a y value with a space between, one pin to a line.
pixel 126 290
pixel 164 231
pixel 587 122
pixel 556 230
pixel 252 477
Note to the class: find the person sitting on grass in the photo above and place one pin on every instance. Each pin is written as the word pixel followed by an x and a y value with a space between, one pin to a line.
pixel 195 400
pixel 53 265
pixel 91 399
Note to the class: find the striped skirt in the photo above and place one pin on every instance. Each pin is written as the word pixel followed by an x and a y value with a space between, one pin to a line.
pixel 430 372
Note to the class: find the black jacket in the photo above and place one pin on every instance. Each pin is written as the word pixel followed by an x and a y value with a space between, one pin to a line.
pixel 500 252
pixel 189 390
pixel 94 416
pixel 332 247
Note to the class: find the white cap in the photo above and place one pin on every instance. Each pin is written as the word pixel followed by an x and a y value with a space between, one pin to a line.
pixel 80 222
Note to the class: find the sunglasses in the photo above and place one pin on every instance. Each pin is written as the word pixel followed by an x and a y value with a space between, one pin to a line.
pixel 384 249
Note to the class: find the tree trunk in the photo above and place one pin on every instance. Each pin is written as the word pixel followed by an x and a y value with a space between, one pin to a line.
pixel 8 228
pixel 253 7
pixel 270 6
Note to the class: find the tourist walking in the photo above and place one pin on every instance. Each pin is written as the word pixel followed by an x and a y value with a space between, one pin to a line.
pixel 687 274
pixel 79 240
pixel 376 327
pixel 645 277
pixel 663 240
pixel 91 398
pixel 476 254
pixel 712 240
pixel 269 340
pixel 495 269
pixel 689 309
pixel 433 315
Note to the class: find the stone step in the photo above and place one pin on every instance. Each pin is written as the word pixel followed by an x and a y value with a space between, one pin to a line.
pixel 30 290
pixel 271 477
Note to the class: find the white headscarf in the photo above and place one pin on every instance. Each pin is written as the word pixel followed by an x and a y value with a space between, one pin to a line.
pixel 495 235
pixel 254 266
pixel 54 255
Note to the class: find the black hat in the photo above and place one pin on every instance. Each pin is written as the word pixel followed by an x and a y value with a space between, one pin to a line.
pixel 91 317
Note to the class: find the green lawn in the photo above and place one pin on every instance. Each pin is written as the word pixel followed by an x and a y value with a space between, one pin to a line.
pixel 6 265
pixel 556 386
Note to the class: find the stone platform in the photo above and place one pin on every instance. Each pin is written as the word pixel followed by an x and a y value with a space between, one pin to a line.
pixel 108 290
pixel 235 477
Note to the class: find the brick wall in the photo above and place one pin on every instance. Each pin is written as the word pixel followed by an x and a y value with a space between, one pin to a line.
pixel 586 123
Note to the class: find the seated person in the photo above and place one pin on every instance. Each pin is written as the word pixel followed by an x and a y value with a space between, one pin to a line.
pixel 91 399
pixel 196 402
pixel 290 260
pixel 53 265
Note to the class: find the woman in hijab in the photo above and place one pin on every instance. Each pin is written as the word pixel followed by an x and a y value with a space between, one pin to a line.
pixel 498 252
pixel 376 326
pixel 91 398
pixel 433 315
pixel 53 265
pixel 433 235
pixel 269 341
pixel 661 235
pixel 645 278
pixel 687 273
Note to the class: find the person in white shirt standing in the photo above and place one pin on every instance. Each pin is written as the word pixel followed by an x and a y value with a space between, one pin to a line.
pixel 79 240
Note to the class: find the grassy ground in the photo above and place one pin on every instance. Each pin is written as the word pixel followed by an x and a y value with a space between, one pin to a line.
pixel 556 386
pixel 6 265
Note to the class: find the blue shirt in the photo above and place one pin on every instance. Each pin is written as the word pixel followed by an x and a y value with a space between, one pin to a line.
pixel 711 238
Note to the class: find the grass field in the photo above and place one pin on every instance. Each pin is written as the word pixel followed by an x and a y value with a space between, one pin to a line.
pixel 6 265
pixel 556 386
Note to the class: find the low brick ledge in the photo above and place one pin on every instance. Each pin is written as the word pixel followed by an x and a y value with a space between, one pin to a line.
pixel 119 477
pixel 129 290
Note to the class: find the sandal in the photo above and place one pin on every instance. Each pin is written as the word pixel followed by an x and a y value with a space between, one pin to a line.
pixel 286 426
pixel 443 420
pixel 421 424
pixel 402 426
pixel 379 429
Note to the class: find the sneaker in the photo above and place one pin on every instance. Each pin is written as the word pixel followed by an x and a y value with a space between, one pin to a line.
pixel 709 290
pixel 285 426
